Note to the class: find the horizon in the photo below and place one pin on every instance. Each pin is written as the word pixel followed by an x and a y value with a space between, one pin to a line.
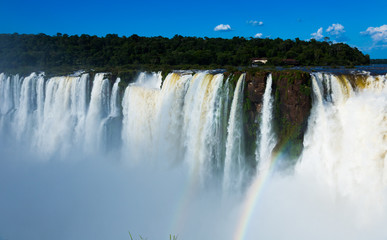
pixel 337 21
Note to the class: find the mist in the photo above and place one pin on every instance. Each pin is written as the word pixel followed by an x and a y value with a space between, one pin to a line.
pixel 83 197
pixel 297 207
pixel 90 197
pixel 82 162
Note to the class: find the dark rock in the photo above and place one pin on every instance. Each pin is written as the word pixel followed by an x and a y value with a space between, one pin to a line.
pixel 256 86
pixel 292 104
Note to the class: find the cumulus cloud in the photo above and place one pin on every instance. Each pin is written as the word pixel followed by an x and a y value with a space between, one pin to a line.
pixel 378 34
pixel 258 35
pixel 336 29
pixel 337 32
pixel 222 28
pixel 318 35
pixel 255 23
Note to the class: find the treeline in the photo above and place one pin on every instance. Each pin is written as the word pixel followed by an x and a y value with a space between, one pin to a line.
pixel 44 52
pixel 378 61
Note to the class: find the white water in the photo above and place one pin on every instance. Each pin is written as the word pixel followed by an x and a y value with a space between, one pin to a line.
pixel 346 145
pixel 10 97
pixel 234 166
pixel 338 189
pixel 26 114
pixel 192 127
pixel 266 136
pixel 183 121
pixel 202 122
pixel 98 110
pixel 139 120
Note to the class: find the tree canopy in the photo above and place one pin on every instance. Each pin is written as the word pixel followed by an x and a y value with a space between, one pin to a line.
pixel 41 51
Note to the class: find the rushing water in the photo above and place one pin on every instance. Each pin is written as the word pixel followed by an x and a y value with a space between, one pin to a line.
pixel 346 145
pixel 109 159
pixel 234 161
pixel 266 137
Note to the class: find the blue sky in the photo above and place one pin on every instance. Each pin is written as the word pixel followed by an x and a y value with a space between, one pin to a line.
pixel 360 24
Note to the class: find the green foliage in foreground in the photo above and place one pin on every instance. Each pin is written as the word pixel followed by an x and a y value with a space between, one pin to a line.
pixel 65 53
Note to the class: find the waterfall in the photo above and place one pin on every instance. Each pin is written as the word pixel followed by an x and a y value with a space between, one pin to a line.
pixel 266 139
pixel 6 103
pixel 170 117
pixel 182 122
pixel 98 110
pixel 234 160
pixel 25 114
pixel 9 100
pixel 112 124
pixel 219 165
pixel 202 120
pixel 189 120
pixel 56 117
pixel 139 117
pixel 115 106
pixel 345 147
pixel 80 94
pixel 183 138
pixel 216 128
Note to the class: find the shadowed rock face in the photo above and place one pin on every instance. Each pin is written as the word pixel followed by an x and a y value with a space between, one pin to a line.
pixel 256 88
pixel 294 96
pixel 292 102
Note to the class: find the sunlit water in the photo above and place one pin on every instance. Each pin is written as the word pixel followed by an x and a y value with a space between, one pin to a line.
pixel 83 159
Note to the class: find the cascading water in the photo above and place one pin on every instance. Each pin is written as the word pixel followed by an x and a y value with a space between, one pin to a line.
pixel 58 117
pixel 139 118
pixel 53 116
pixel 63 115
pixel 196 120
pixel 170 141
pixel 98 111
pixel 346 145
pixel 80 104
pixel 182 121
pixel 234 166
pixel 112 125
pixel 266 139
pixel 186 120
pixel 9 101
pixel 25 121
pixel 202 122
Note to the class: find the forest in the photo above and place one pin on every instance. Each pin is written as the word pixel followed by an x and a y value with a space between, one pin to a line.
pixel 72 52
pixel 378 61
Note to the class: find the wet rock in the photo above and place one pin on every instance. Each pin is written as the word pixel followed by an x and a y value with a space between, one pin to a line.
pixel 292 103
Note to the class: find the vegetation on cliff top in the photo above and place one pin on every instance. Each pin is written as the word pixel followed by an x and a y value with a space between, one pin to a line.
pixel 113 53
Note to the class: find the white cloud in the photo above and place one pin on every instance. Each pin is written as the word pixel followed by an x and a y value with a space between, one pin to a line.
pixel 258 35
pixel 336 29
pixel 223 28
pixel 378 34
pixel 318 35
pixel 255 23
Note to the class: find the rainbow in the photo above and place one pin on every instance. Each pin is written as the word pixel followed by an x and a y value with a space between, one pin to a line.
pixel 251 199
pixel 254 192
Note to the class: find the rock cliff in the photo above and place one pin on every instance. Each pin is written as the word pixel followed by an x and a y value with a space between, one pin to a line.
pixel 292 103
